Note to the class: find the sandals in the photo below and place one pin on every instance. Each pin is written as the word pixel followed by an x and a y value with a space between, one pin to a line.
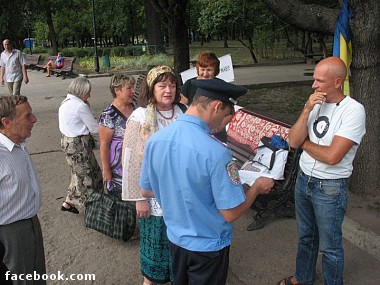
pixel 287 281
pixel 71 208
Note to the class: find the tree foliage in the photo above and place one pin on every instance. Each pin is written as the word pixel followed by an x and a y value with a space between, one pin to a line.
pixel 216 17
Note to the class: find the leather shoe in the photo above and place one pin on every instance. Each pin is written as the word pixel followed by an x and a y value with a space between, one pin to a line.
pixel 71 208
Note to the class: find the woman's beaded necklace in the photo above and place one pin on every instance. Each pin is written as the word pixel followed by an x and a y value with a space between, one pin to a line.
pixel 166 118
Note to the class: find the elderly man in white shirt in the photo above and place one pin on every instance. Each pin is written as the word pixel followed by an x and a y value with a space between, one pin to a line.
pixel 20 194
pixel 13 68
pixel 77 125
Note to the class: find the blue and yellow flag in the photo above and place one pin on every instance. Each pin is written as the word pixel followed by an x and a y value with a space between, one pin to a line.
pixel 342 41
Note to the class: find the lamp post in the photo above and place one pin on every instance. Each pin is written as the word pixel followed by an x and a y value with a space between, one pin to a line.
pixel 29 39
pixel 96 58
pixel 27 14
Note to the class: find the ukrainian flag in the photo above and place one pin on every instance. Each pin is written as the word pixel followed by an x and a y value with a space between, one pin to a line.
pixel 342 41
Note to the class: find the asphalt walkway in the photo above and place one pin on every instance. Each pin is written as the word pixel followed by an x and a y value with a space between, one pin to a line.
pixel 259 257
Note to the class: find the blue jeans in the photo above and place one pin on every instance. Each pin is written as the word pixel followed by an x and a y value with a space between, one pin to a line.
pixel 320 208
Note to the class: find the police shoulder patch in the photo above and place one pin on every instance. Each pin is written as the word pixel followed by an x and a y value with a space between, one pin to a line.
pixel 233 172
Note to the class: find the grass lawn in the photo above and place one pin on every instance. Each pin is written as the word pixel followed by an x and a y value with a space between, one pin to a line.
pixel 281 103
pixel 241 55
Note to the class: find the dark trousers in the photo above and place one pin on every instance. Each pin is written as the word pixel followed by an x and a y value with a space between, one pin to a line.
pixel 198 267
pixel 3 269
pixel 23 250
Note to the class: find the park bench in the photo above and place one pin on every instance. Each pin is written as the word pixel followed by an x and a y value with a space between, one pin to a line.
pixel 31 60
pixel 313 58
pixel 47 59
pixel 243 136
pixel 138 87
pixel 66 70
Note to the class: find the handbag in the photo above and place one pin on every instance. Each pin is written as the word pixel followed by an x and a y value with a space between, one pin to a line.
pixel 111 216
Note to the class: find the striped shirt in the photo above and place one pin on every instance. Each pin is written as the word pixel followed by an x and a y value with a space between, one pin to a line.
pixel 20 191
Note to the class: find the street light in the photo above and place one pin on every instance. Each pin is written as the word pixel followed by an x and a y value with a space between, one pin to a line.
pixel 96 58
pixel 27 15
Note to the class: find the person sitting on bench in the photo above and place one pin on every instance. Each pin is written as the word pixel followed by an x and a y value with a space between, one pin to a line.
pixel 57 63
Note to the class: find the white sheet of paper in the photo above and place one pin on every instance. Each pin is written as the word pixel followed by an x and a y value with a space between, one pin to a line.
pixel 249 177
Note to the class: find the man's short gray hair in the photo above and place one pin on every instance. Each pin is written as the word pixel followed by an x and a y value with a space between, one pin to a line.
pixel 8 106
pixel 79 86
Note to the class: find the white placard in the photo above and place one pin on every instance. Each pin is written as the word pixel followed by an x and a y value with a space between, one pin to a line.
pixel 226 70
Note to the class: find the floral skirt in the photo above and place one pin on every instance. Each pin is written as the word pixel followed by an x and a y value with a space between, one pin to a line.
pixel 86 175
pixel 155 257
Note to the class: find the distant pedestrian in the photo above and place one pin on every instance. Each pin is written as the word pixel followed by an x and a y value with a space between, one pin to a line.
pixel 13 68
pixel 329 130
pixel 21 242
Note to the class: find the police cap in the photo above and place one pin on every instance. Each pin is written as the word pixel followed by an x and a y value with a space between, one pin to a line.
pixel 219 89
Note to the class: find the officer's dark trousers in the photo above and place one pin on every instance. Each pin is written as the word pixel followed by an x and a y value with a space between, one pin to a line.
pixel 199 268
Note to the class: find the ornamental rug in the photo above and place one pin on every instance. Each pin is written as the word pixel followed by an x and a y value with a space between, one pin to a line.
pixel 248 129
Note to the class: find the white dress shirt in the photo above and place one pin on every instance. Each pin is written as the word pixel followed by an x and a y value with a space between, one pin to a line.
pixel 75 118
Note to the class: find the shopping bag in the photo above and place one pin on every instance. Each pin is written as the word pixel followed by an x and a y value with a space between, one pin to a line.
pixel 111 216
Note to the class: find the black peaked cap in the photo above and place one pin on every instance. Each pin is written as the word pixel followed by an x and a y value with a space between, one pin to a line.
pixel 219 89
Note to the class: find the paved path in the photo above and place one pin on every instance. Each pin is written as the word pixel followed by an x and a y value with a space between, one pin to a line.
pixel 260 257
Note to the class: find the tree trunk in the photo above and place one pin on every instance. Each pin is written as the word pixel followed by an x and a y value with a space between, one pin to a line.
pixel 49 21
pixel 365 70
pixel 250 48
pixel 225 34
pixel 175 13
pixel 365 86
pixel 154 34
pixel 179 36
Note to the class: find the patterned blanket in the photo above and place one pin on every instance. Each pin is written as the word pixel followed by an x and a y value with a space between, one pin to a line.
pixel 248 129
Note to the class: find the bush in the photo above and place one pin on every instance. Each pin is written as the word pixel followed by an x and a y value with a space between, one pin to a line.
pixel 129 62
pixel 36 50
pixel 129 50
pixel 104 51
pixel 77 52
pixel 118 51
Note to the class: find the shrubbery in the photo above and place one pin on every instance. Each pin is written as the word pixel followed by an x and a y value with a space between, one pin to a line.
pixel 129 62
pixel 87 52
pixel 36 50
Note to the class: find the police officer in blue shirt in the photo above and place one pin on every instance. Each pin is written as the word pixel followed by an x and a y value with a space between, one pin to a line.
pixel 196 182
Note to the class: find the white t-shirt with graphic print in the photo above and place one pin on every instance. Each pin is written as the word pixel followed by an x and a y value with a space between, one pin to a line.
pixel 345 119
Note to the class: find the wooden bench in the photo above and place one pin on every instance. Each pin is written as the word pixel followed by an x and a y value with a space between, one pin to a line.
pixel 66 70
pixel 138 87
pixel 31 60
pixel 47 59
pixel 243 136
pixel 310 57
